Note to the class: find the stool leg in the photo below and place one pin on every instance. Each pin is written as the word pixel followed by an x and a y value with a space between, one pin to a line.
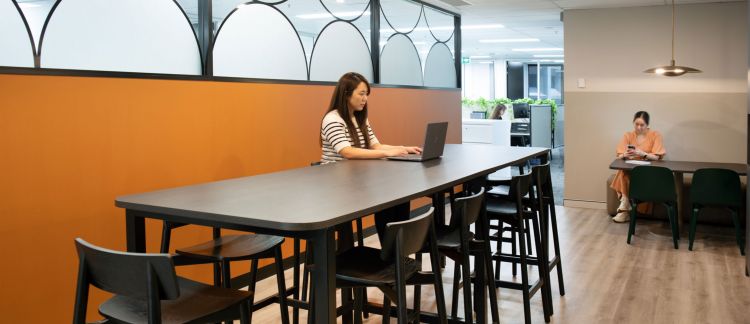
pixel 524 273
pixel 514 240
pixel 295 281
pixel 543 269
pixel 466 274
pixel 499 249
pixel 361 242
pixel 280 282
pixel 251 287
pixel 418 288
pixel 166 235
pixel 386 310
pixel 491 283
pixel 556 243
pixel 454 296
pixel 226 281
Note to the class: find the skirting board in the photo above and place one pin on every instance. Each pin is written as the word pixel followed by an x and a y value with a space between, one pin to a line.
pixel 584 204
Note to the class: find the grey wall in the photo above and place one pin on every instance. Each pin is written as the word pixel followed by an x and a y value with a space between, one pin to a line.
pixel 701 116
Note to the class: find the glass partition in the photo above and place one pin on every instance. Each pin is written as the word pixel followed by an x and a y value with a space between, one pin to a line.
pixel 17 49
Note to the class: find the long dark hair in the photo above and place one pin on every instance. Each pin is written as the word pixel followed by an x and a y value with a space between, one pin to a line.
pixel 340 102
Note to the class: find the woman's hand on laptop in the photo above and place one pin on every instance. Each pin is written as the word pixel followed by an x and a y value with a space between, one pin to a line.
pixel 413 149
pixel 396 151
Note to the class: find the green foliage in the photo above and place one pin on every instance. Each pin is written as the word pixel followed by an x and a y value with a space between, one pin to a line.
pixel 488 105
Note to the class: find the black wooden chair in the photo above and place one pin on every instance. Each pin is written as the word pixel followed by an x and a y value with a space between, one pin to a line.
pixel 390 269
pixel 511 210
pixel 147 290
pixel 457 242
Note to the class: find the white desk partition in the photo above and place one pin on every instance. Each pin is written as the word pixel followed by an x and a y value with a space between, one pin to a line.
pixel 541 126
pixel 488 131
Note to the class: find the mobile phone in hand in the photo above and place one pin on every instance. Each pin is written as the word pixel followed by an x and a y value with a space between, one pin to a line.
pixel 631 147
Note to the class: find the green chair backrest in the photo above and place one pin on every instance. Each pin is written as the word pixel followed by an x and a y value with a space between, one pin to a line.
pixel 652 183
pixel 716 187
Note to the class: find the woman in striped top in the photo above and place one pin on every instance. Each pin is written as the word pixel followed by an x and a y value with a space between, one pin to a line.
pixel 341 134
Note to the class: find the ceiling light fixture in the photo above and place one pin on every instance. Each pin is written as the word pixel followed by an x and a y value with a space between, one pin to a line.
pixel 510 40
pixel 326 15
pixel 549 55
pixel 672 69
pixel 480 56
pixel 543 49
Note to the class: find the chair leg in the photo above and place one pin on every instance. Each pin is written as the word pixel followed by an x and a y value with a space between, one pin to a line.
pixel 691 231
pixel 226 281
pixel 556 243
pixel 499 249
pixel 361 242
pixel 251 287
pixel 418 288
pixel 454 295
pixel 491 283
pixel 673 222
pixel 513 242
pixel 244 313
pixel 529 245
pixel 738 232
pixel 439 294
pixel 386 310
pixel 524 275
pixel 543 269
pixel 358 304
pixel 166 235
pixel 280 282
pixel 631 228
pixel 295 281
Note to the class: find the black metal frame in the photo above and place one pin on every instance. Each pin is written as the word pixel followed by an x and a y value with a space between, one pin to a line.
pixel 205 39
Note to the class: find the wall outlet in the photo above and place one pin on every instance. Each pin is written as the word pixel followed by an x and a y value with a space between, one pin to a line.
pixel 581 82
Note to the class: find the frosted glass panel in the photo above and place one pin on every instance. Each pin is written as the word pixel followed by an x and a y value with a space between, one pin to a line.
pixel 401 15
pixel 440 24
pixel 36 12
pixel 257 41
pixel 346 10
pixel 340 49
pixel 399 62
pixel 16 49
pixel 190 7
pixel 440 70
pixel 112 35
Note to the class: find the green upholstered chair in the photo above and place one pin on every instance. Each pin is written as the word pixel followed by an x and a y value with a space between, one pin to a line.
pixel 653 184
pixel 716 188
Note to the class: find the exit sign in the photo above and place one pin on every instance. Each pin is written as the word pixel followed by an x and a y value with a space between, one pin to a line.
pixel 465 60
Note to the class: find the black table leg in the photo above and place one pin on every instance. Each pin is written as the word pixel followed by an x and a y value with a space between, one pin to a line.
pixel 324 276
pixel 135 229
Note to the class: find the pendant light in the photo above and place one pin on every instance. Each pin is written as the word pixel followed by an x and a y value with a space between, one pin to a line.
pixel 672 69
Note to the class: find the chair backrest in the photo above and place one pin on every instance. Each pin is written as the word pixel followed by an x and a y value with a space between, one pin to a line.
pixel 652 183
pixel 127 274
pixel 716 187
pixel 519 187
pixel 540 174
pixel 406 237
pixel 466 210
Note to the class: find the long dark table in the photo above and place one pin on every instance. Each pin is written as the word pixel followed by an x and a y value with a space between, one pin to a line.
pixel 308 203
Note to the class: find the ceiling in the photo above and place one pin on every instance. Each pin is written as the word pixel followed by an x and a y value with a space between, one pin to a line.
pixel 524 19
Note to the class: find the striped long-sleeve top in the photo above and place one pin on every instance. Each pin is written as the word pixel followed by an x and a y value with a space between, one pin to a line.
pixel 335 136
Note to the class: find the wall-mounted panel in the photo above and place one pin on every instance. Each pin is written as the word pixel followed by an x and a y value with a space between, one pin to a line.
pixel 125 36
pixel 257 41
pixel 16 49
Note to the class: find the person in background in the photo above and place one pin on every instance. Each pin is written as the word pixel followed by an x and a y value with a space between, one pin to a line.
pixel 640 144
pixel 341 131
pixel 499 111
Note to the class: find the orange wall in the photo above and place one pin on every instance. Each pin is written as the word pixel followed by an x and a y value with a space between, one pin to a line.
pixel 70 145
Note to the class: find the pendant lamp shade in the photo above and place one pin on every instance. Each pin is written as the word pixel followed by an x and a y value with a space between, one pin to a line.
pixel 672 69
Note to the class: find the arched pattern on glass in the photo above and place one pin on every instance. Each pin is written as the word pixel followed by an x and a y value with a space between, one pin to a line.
pixel 399 15
pixel 346 10
pixel 127 36
pixel 439 70
pixel 400 63
pixel 35 13
pixel 439 23
pixel 17 49
pixel 340 48
pixel 257 41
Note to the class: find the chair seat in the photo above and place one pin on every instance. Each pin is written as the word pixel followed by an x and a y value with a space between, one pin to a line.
pixel 362 265
pixel 501 207
pixel 234 247
pixel 197 303
pixel 450 238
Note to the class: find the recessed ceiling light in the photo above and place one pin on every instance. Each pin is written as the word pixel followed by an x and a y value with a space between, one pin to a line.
pixel 510 40
pixel 541 49
pixel 549 55
pixel 326 15
pixel 480 56
pixel 491 26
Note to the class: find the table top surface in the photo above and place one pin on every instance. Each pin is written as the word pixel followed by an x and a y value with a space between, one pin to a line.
pixel 682 166
pixel 318 197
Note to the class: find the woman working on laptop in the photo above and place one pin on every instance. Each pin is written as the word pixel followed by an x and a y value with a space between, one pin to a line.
pixel 341 136
pixel 341 130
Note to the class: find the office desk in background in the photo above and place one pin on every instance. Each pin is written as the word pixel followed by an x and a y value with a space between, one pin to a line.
pixel 308 203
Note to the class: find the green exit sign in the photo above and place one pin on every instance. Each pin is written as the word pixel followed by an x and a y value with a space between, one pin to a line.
pixel 465 60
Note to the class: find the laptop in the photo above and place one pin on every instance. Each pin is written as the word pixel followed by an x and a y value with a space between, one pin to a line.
pixel 434 142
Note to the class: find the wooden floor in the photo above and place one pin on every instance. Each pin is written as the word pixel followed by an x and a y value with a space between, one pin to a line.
pixel 609 281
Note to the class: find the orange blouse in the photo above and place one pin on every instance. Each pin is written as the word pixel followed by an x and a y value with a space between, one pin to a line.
pixel 652 144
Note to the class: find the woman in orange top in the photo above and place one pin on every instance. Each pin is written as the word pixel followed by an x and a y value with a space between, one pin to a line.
pixel 640 144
